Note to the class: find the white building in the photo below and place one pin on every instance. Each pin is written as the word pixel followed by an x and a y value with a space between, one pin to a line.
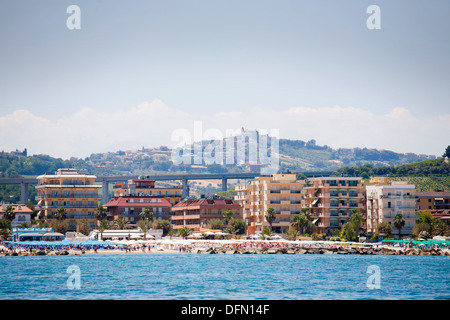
pixel 22 212
pixel 385 201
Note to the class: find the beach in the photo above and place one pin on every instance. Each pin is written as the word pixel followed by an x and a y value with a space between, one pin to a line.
pixel 181 246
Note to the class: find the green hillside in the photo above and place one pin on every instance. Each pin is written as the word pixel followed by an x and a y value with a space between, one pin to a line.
pixel 425 175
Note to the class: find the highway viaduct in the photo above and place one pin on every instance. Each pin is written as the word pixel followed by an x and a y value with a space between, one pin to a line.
pixel 184 178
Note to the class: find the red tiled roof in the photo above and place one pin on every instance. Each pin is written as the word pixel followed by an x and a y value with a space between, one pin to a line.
pixel 206 202
pixel 440 213
pixel 125 202
pixel 23 209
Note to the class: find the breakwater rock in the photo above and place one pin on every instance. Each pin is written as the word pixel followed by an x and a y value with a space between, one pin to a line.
pixel 335 250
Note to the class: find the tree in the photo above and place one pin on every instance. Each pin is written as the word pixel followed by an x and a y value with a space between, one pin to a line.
pixel 348 231
pixel 235 226
pixel 307 213
pixel 299 222
pixel 165 225
pixel 399 223
pixel 9 213
pixel 228 215
pixel 385 228
pixel 102 226
pixel 84 227
pixel 292 234
pixel 59 225
pixel 146 214
pixel 61 214
pixel 420 227
pixel 144 224
pixel 446 152
pixel 120 223
pixel 270 217
pixel 424 217
pixel 184 232
pixel 356 220
pixel 438 227
pixel 215 224
pixel 100 213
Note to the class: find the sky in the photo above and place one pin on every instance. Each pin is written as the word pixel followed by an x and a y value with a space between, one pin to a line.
pixel 135 72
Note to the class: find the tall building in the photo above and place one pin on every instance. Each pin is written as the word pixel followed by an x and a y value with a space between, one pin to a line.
pixel 196 213
pixel 282 192
pixel 332 199
pixel 385 201
pixel 69 189
pixel 147 188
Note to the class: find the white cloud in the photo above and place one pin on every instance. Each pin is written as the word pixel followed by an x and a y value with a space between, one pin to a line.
pixel 152 123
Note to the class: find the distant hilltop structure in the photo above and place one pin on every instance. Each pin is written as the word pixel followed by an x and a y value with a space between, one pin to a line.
pixel 17 152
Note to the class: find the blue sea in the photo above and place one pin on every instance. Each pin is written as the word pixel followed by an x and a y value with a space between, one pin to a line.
pixel 235 277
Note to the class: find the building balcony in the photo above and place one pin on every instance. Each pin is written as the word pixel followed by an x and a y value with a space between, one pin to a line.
pixel 71 196
pixel 285 202
pixel 68 207
pixel 287 191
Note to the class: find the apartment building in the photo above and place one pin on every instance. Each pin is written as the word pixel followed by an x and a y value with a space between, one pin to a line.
pixel 385 201
pixel 282 192
pixel 195 213
pixel 147 187
pixel 130 207
pixel 69 189
pixel 332 199
pixel 433 200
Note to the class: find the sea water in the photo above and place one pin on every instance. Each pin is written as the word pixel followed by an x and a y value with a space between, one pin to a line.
pixel 237 277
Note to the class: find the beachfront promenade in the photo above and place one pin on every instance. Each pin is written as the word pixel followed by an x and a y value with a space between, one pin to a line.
pixel 221 247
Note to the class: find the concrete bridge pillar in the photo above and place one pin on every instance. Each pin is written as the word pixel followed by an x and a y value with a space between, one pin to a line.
pixel 224 184
pixel 185 192
pixel 105 193
pixel 24 193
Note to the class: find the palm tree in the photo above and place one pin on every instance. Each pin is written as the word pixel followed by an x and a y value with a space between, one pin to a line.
pixel 270 217
pixel 144 224
pixel 9 213
pixel 307 213
pixel 295 222
pixel 146 214
pixel 100 213
pixel 399 223
pixel 103 225
pixel 184 232
pixel 61 214
pixel 300 222
pixel 120 222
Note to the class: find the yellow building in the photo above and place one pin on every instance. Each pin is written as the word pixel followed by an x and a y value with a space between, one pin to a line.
pixel 384 202
pixel 282 192
pixel 145 187
pixel 332 199
pixel 69 189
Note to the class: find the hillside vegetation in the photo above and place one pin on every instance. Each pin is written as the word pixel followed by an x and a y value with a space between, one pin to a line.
pixel 425 175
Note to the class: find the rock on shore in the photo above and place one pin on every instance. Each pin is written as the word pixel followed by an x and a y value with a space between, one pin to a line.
pixel 338 250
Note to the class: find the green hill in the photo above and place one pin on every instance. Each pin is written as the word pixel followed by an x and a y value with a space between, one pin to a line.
pixel 426 175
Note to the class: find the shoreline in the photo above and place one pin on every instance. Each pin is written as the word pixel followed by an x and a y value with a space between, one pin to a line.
pixel 205 247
